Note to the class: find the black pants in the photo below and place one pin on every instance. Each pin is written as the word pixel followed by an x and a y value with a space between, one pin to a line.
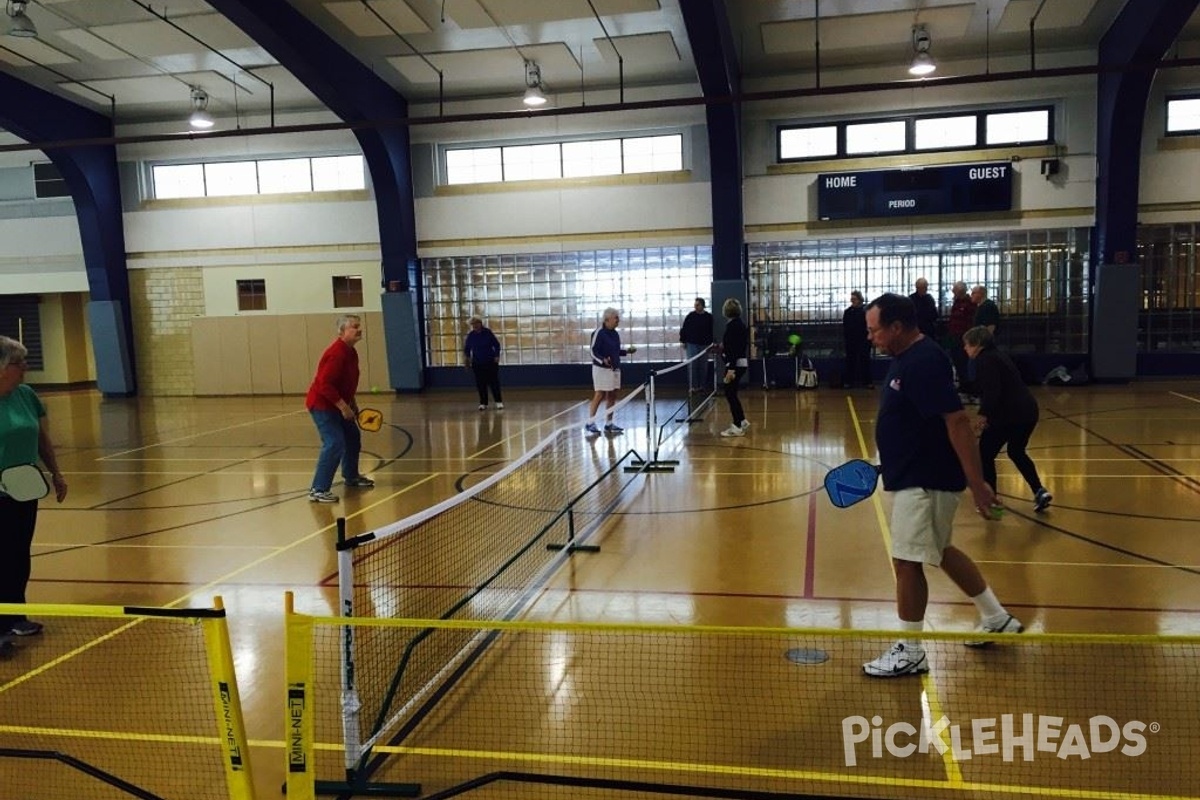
pixel 858 365
pixel 731 396
pixel 17 521
pixel 994 437
pixel 959 356
pixel 487 376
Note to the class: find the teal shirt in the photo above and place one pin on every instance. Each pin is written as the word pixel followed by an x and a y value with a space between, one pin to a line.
pixel 21 415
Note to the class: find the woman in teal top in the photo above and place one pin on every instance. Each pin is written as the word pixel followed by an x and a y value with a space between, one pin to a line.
pixel 24 436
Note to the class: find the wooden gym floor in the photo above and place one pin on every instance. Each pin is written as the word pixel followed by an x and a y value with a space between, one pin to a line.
pixel 176 500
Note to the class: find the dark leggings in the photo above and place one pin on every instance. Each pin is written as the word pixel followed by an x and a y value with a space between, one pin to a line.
pixel 731 390
pixel 17 521
pixel 995 437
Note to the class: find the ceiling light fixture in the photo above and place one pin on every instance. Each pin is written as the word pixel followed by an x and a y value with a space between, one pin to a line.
pixel 534 96
pixel 922 63
pixel 19 24
pixel 200 119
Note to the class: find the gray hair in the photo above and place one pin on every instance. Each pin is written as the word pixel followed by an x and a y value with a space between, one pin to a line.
pixel 345 319
pixel 981 289
pixel 979 336
pixel 475 318
pixel 11 350
pixel 731 308
pixel 610 313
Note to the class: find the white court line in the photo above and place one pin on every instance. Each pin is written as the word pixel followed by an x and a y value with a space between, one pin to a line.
pixel 197 435
pixel 1185 397
pixel 524 430
pixel 114 545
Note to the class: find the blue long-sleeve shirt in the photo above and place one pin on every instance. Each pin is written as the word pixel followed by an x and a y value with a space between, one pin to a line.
pixel 606 347
pixel 482 346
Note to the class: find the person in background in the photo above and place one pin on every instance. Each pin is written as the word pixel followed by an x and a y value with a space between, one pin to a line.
pixel 735 350
pixel 482 351
pixel 606 371
pixel 696 336
pixel 987 313
pixel 858 346
pixel 1008 412
pixel 334 410
pixel 927 456
pixel 24 437
pixel 962 317
pixel 927 308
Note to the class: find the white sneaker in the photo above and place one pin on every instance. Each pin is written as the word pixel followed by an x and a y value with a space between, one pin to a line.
pixel 745 425
pixel 734 430
pixel 317 496
pixel 902 659
pixel 483 408
pixel 499 406
pixel 1005 624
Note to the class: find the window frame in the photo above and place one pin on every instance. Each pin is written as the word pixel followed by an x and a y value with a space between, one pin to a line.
pixel 910 123
pixel 1167 132
pixel 247 296
pixel 152 167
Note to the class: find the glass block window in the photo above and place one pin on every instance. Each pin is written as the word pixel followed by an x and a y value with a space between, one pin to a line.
pixel 544 307
pixel 1037 278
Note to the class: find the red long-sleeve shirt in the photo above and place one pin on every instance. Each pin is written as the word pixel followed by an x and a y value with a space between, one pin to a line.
pixel 336 378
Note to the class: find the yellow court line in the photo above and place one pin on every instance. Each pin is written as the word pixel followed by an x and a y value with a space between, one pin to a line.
pixel 198 435
pixel 953 771
pixel 1090 564
pixel 117 546
pixel 123 736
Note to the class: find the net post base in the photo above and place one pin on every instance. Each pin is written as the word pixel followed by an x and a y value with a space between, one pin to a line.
pixel 368 789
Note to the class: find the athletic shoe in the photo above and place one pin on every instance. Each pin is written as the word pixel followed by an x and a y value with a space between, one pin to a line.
pixel 361 482
pixel 1005 624
pixel 902 659
pixel 499 406
pixel 613 430
pixel 592 429
pixel 483 408
pixel 734 430
pixel 745 425
pixel 315 496
pixel 1041 500
pixel 7 650
pixel 26 627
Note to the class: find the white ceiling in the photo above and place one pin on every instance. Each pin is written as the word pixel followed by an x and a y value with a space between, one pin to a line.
pixel 90 49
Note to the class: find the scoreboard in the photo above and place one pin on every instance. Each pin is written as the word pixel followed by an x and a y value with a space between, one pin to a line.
pixel 959 189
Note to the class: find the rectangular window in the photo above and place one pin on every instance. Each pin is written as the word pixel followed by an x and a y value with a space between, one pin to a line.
pixel 252 294
pixel 338 173
pixel 347 291
pixel 1018 127
pixel 875 137
pixel 588 159
pixel 820 142
pixel 940 133
pixel 231 178
pixel 653 154
pixel 532 162
pixel 20 319
pixel 270 176
pixel 284 175
pixel 474 165
pixel 1183 115
pixel 184 180
pixel 48 181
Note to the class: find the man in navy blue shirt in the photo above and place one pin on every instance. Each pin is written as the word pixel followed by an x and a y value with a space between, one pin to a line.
pixel 606 370
pixel 928 456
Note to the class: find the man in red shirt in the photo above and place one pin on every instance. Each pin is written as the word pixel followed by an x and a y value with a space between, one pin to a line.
pixel 331 402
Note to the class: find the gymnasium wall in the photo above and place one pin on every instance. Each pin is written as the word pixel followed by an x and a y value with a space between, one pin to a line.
pixel 185 256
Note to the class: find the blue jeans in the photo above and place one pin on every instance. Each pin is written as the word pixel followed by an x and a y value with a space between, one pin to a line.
pixel 698 369
pixel 341 441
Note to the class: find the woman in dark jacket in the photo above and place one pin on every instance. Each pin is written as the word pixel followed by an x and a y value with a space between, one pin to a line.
pixel 735 349
pixel 858 346
pixel 1008 412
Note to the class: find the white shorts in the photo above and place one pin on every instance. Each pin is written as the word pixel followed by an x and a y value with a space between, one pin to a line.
pixel 921 523
pixel 605 379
